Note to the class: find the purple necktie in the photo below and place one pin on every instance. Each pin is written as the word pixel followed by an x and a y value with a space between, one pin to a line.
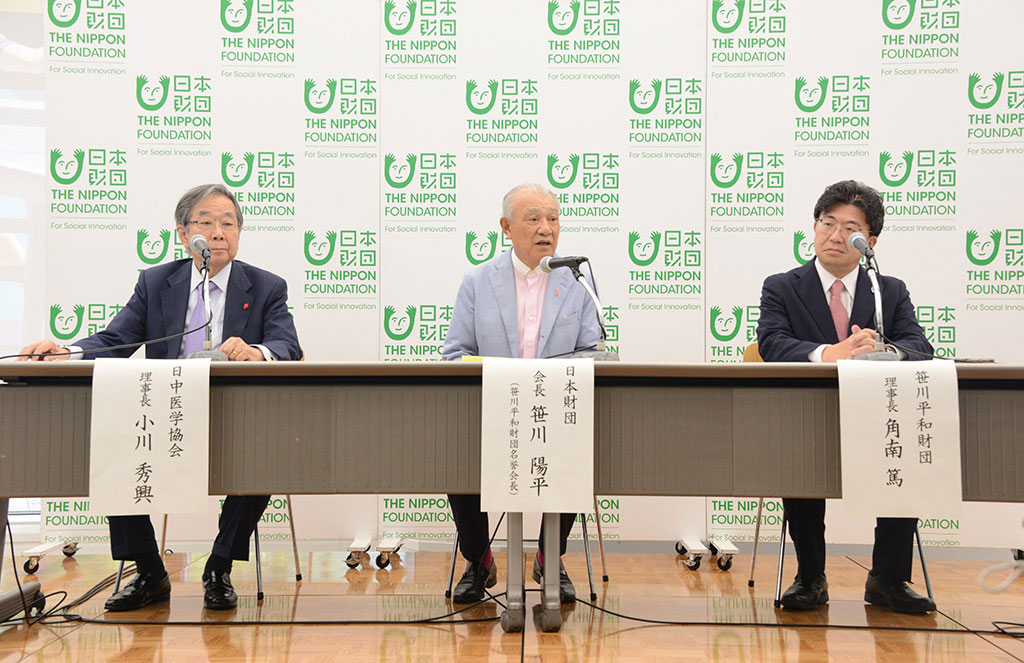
pixel 194 341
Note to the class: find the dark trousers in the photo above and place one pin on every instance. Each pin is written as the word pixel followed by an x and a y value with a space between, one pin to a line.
pixel 474 528
pixel 133 536
pixel 892 556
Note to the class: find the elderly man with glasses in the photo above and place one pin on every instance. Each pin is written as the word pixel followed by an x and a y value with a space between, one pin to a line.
pixel 250 321
pixel 822 312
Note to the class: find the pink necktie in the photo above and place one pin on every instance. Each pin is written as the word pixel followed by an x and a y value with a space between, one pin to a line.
pixel 840 317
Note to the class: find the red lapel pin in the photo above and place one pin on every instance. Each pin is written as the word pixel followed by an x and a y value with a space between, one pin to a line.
pixel 245 306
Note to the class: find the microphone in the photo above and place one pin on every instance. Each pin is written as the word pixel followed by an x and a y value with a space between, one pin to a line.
pixel 859 242
pixel 550 263
pixel 198 245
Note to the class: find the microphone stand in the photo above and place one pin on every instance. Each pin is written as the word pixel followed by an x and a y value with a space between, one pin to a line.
pixel 600 354
pixel 879 353
pixel 207 352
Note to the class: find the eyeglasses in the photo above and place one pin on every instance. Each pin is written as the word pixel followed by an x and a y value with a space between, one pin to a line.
pixel 206 225
pixel 827 225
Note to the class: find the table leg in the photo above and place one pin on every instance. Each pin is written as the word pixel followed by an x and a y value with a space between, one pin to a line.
pixel 513 619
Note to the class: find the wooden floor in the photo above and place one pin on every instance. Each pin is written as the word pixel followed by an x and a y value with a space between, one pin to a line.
pixel 655 586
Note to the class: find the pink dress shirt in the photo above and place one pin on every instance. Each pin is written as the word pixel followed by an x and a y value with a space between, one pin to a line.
pixel 531 286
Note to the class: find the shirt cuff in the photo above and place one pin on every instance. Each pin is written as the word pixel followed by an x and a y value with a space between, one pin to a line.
pixel 76 352
pixel 267 354
pixel 815 355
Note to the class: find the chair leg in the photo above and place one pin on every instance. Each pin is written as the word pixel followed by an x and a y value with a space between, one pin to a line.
pixel 924 565
pixel 600 540
pixel 451 569
pixel 259 567
pixel 295 544
pixel 782 556
pixel 586 552
pixel 757 540
pixel 120 572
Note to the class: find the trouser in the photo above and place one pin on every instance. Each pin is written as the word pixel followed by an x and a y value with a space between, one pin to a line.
pixel 474 528
pixel 132 536
pixel 892 556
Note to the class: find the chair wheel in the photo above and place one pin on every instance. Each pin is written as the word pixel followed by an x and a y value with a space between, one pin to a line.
pixel 692 564
pixel 680 548
pixel 352 561
pixel 31 565
pixel 1018 554
pixel 70 549
pixel 382 561
pixel 724 563
pixel 712 548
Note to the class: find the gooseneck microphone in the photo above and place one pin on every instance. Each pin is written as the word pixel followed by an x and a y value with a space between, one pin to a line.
pixel 549 263
pixel 859 242
pixel 199 246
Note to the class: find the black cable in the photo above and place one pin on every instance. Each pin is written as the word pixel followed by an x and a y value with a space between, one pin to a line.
pixel 1004 629
pixel 21 592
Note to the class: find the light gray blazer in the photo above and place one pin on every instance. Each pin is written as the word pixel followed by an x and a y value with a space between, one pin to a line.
pixel 484 322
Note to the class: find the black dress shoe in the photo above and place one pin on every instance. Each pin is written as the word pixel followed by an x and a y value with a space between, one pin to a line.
pixel 218 594
pixel 470 588
pixel 142 590
pixel 896 594
pixel 806 594
pixel 566 590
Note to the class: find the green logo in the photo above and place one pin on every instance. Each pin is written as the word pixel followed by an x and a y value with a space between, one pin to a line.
pixel 654 95
pixel 480 252
pixel 810 99
pixel 473 95
pixel 66 171
pixel 983 248
pixel 66 327
pixel 984 95
pixel 803 249
pixel 153 251
pixel 562 22
pixel 726 175
pixel 895 173
pixel 232 173
pixel 151 98
pixel 897 14
pixel 394 173
pixel 557 175
pixel 726 20
pixel 403 18
pixel 726 329
pixel 319 101
pixel 313 248
pixel 63 13
pixel 636 250
pixel 392 325
pixel 235 19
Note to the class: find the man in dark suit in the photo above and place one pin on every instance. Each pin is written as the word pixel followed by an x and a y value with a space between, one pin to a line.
pixel 822 312
pixel 250 322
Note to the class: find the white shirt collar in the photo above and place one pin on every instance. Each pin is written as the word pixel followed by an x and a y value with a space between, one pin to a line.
pixel 827 279
pixel 221 279
pixel 520 266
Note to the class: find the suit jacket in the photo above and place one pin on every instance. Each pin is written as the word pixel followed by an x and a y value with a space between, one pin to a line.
pixel 795 317
pixel 485 322
pixel 158 305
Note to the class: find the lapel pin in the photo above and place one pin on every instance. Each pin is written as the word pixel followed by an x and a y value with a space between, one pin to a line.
pixel 556 292
pixel 245 306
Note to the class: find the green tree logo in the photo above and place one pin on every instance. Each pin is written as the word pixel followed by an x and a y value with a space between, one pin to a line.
pixel 637 249
pixel 394 19
pixel 562 22
pixel 638 98
pixel 726 174
pixel 727 19
pixel 66 327
pixel 151 98
pixel 63 13
pixel 233 173
pixel 810 99
pixel 562 177
pixel 152 252
pixel 394 173
pixel 393 324
pixel 319 101
pixel 725 329
pixel 803 249
pixel 897 14
pixel 988 249
pixel 66 171
pixel 480 252
pixel 319 253
pixel 235 19
pixel 984 95
pixel 487 97
pixel 895 173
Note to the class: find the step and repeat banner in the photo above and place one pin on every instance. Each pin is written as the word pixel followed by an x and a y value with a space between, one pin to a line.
pixel 370 143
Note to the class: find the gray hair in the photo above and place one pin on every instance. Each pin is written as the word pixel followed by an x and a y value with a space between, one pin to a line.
pixel 198 194
pixel 508 202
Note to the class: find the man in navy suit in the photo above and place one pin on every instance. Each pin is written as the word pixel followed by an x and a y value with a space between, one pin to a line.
pixel 510 308
pixel 250 322
pixel 821 312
